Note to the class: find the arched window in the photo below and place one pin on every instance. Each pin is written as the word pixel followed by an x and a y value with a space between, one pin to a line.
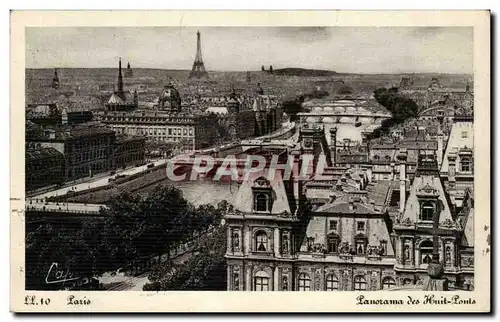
pixel 261 241
pixel 261 281
pixel 426 248
pixel 359 283
pixel 332 282
pixel 261 202
pixel 388 282
pixel 427 211
pixel 304 282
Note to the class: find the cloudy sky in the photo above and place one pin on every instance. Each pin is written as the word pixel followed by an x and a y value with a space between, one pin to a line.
pixel 343 49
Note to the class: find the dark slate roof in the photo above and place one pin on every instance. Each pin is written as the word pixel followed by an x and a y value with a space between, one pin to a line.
pixel 42 153
pixel 344 207
pixel 379 192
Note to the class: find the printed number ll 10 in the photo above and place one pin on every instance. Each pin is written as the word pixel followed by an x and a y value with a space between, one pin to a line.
pixel 32 300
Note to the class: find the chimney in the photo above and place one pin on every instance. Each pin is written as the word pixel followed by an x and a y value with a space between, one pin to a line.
pixel 333 144
pixel 333 197
pixel 403 154
pixel 333 137
pixel 440 152
pixel 364 137
pixel 352 207
pixel 452 166
pixel 64 117
pixel 393 170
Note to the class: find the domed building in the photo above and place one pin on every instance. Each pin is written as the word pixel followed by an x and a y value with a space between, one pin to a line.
pixel 169 99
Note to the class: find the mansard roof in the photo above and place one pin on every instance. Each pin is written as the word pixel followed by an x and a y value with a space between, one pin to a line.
pixel 457 140
pixel 426 186
pixel 348 207
pixel 468 237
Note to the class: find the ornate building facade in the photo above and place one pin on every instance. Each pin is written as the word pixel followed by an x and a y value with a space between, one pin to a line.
pixel 241 117
pixel 336 234
pixel 414 230
pixel 192 132
pixel 457 168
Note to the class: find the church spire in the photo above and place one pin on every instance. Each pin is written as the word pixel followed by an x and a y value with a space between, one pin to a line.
pixel 55 80
pixel 120 78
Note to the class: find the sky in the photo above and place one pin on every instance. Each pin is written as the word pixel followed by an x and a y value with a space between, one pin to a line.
pixel 342 49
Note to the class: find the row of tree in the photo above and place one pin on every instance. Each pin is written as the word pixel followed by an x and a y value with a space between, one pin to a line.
pixel 204 270
pixel 270 69
pixel 401 107
pixel 134 227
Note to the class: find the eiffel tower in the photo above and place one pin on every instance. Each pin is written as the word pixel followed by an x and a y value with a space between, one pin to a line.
pixel 198 70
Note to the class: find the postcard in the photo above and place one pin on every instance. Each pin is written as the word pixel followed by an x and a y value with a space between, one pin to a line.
pixel 260 161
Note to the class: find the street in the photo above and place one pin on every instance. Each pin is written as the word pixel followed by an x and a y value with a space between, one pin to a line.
pixel 96 182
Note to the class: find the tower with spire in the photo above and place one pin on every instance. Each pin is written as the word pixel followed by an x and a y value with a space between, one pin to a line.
pixel 128 72
pixel 198 70
pixel 122 100
pixel 55 80
pixel 119 85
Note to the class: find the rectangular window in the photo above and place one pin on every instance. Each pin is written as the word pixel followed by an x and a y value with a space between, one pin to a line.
pixel 333 225
pixel 304 282
pixel 360 226
pixel 261 284
pixel 333 244
pixel 464 134
pixel 360 247
pixel 466 164
pixel 383 248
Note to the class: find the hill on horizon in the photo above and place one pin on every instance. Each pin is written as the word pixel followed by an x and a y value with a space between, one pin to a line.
pixel 303 72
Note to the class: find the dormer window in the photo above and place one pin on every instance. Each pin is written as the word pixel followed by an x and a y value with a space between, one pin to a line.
pixel 262 195
pixel 262 202
pixel 360 227
pixel 360 246
pixel 333 225
pixel 427 210
pixel 383 247
pixel 466 164
pixel 333 244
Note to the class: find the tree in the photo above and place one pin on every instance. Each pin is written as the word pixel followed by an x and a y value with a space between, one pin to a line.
pixel 292 107
pixel 205 267
pixel 136 227
pixel 401 108
pixel 263 69
pixel 57 252
pixel 270 69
